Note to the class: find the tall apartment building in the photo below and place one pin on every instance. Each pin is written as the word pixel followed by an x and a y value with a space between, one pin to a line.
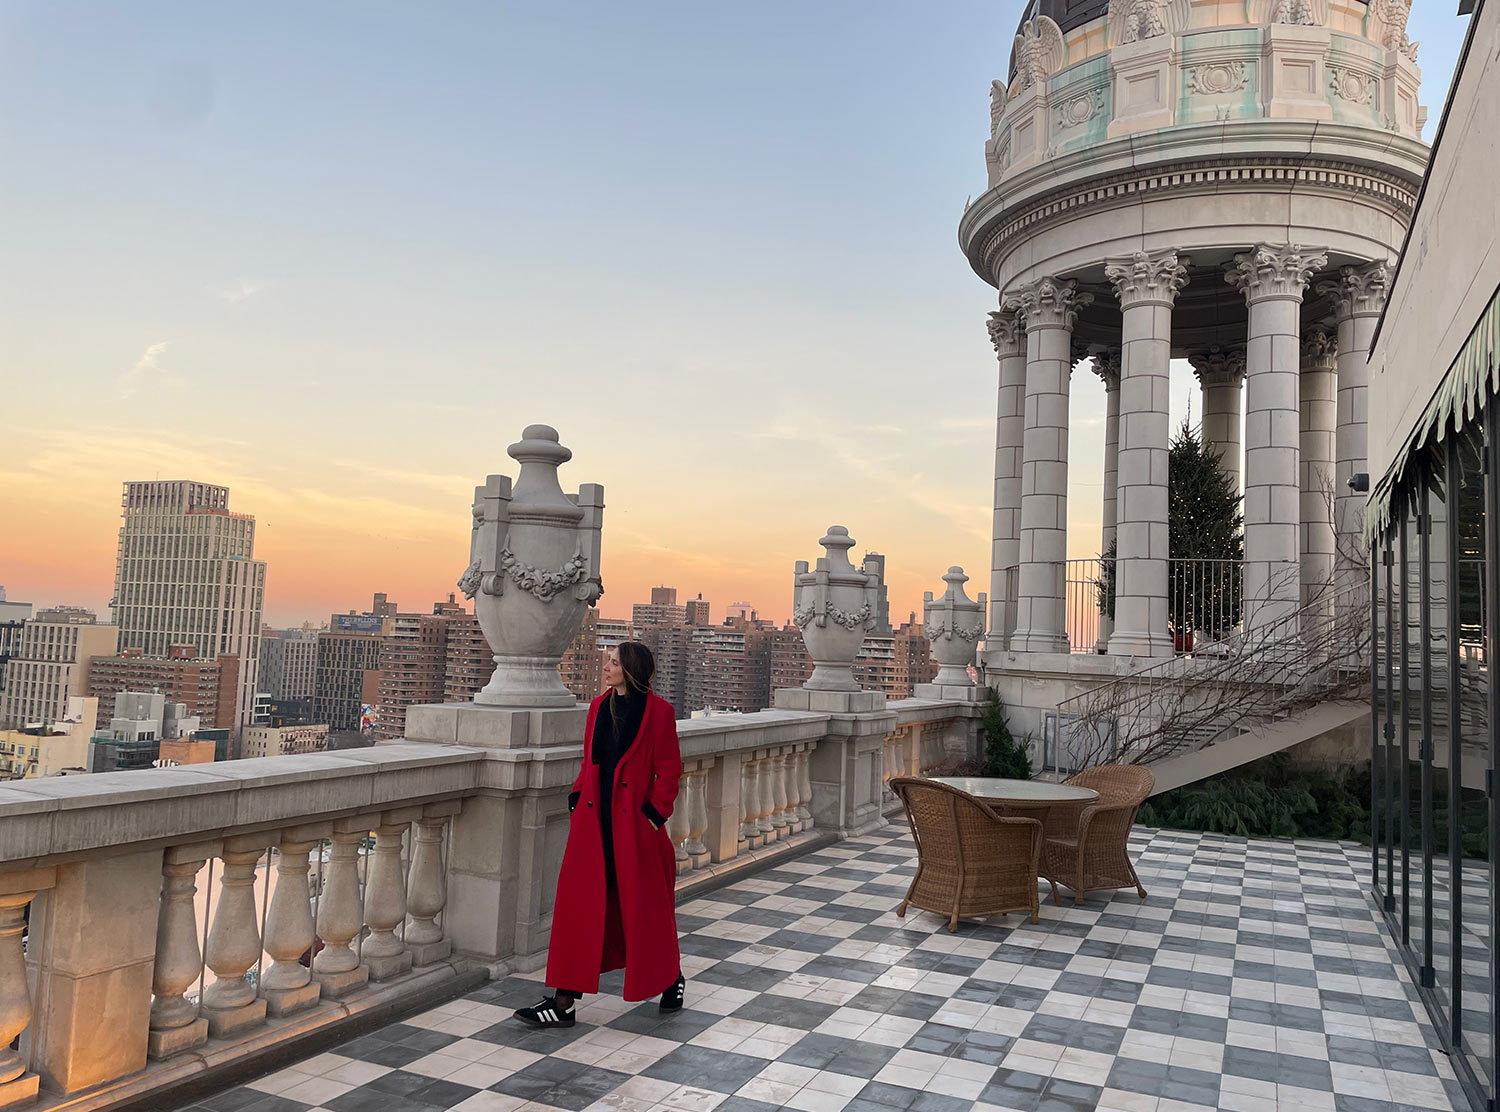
pixel 729 667
pixel 186 573
pixel 411 668
pixel 13 619
pixel 695 611
pixel 662 610
pixel 612 631
pixel 208 688
pixel 469 662
pixel 669 645
pixel 51 664
pixel 882 627
pixel 288 663
pixel 59 747
pixel 582 665
pixel 348 674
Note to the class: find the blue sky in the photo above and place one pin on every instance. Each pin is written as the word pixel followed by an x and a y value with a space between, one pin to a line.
pixel 337 255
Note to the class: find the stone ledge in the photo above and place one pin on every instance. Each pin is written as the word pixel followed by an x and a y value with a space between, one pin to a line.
pixel 187 1077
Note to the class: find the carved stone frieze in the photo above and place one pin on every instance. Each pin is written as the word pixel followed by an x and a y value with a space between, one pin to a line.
pixel 1080 108
pixel 1352 85
pixel 1217 78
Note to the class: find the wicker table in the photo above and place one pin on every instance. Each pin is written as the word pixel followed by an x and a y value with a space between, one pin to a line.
pixel 1022 798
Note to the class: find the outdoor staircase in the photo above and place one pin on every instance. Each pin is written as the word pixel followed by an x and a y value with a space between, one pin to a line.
pixel 1192 717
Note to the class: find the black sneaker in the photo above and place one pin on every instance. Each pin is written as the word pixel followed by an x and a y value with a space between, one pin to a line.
pixel 546 1013
pixel 671 1000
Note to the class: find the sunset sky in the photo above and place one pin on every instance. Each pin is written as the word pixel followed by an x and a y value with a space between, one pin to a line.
pixel 337 255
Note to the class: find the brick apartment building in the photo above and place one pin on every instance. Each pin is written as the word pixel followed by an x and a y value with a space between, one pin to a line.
pixel 208 688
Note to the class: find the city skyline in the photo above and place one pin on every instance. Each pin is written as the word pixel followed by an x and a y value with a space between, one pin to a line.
pixel 307 262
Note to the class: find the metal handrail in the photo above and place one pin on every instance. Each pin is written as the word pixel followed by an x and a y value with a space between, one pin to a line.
pixel 1311 654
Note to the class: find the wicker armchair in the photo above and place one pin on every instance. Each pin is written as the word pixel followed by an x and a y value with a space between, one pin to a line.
pixel 971 862
pixel 1085 848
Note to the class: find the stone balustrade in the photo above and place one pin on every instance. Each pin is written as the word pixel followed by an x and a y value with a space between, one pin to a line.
pixel 186 921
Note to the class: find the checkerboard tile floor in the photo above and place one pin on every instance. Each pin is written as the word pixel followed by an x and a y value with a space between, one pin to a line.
pixel 1255 977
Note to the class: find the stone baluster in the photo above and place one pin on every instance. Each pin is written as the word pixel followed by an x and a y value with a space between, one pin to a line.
pixel 385 898
pixel 337 967
pixel 697 808
pixel 804 793
pixel 17 890
pixel 427 892
pixel 749 802
pixel 790 784
pixel 175 1023
pixel 779 818
pixel 230 1003
pixel 287 986
pixel 766 800
pixel 1272 279
pixel 677 826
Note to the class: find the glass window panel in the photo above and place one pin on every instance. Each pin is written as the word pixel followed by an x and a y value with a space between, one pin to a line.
pixel 1436 869
pixel 1473 877
pixel 1409 893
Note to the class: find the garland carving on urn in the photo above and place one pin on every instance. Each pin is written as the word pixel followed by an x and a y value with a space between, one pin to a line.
pixel 834 605
pixel 954 624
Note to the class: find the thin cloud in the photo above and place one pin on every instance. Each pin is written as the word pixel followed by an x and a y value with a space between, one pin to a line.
pixel 145 367
pixel 241 289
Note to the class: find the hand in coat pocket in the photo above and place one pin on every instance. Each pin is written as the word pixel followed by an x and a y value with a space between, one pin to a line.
pixel 653 816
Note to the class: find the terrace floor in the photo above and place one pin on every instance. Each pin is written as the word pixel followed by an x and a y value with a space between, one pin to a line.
pixel 1255 977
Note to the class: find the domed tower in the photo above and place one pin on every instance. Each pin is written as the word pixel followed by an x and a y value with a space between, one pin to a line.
pixel 1225 181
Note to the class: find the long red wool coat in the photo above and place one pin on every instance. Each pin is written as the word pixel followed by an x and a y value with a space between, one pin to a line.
pixel 645 868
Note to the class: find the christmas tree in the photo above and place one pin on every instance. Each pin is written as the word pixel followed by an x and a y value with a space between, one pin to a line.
pixel 1206 535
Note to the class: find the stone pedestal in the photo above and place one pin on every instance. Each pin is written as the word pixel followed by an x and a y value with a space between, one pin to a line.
pixel 335 986
pixel 21 1091
pixel 290 1001
pixel 388 967
pixel 951 693
pixel 828 702
pixel 1145 90
pixel 224 1022
pixel 490 727
pixel 1293 82
pixel 168 1041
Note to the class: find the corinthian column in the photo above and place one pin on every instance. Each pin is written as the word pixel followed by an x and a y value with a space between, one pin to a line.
pixel 1147 286
pixel 1317 391
pixel 1048 307
pixel 1358 298
pixel 1009 338
pixel 1107 367
pixel 1272 278
pixel 1221 376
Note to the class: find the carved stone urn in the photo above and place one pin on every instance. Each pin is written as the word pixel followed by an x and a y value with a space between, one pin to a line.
pixel 834 605
pixel 953 624
pixel 533 571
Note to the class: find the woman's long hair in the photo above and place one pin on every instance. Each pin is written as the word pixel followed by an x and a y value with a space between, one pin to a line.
pixel 638 665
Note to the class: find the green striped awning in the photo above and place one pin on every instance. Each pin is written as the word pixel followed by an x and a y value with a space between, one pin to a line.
pixel 1473 374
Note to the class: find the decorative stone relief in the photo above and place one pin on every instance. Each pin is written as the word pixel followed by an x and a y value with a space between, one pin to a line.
pixel 1144 278
pixel 1144 19
pixel 1270 270
pixel 1048 302
pixel 1319 344
pixel 999 95
pixel 1081 108
pixel 1107 367
pixel 1217 78
pixel 1351 85
pixel 1359 290
pixel 1218 367
pixel 1006 332
pixel 1392 16
pixel 1297 12
pixel 1039 51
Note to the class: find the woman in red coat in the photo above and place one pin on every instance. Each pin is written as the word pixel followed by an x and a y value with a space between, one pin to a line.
pixel 615 895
